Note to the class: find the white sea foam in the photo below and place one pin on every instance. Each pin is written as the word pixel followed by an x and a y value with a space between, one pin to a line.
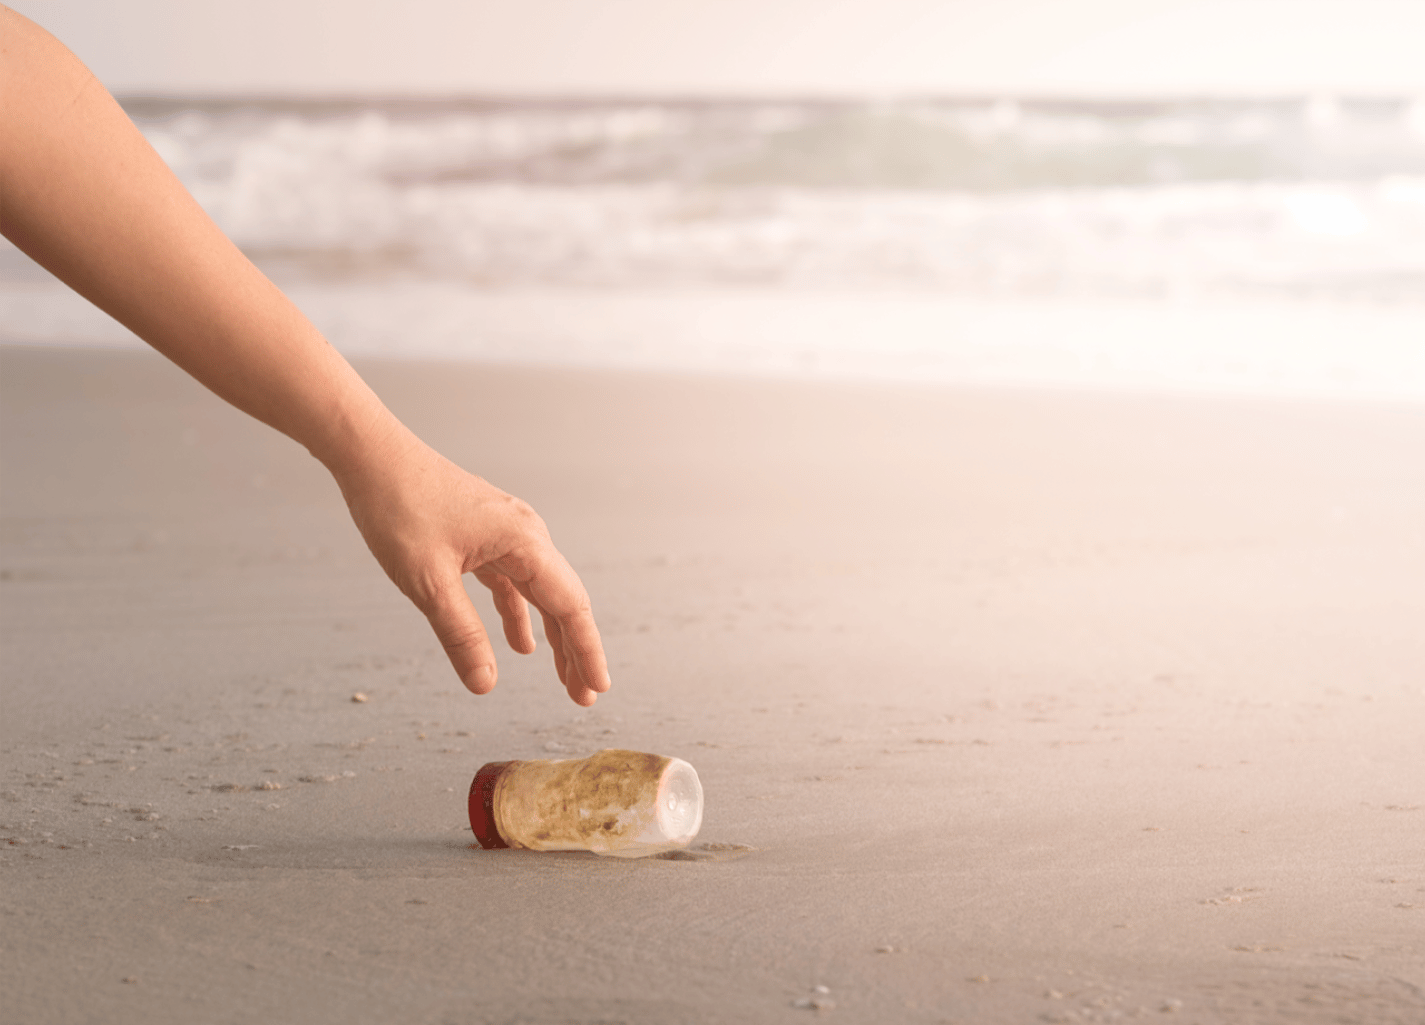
pixel 965 241
pixel 1078 202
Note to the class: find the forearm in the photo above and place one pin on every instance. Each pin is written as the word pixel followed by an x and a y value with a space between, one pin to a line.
pixel 83 193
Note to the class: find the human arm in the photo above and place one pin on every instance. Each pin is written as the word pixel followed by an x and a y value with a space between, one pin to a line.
pixel 83 193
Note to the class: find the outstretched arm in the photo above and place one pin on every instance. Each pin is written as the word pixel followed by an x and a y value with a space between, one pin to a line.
pixel 83 193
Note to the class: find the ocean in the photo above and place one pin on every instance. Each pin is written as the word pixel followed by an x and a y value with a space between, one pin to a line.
pixel 1224 245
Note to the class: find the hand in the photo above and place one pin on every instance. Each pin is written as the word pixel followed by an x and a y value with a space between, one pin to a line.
pixel 428 522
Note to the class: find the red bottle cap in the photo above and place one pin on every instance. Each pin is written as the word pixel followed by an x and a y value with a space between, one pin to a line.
pixel 482 804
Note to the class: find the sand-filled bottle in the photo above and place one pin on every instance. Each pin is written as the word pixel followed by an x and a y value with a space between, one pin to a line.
pixel 625 804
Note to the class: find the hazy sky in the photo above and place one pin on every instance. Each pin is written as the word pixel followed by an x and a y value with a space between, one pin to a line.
pixel 745 46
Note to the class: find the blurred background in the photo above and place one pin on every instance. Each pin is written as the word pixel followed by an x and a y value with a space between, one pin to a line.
pixel 1158 194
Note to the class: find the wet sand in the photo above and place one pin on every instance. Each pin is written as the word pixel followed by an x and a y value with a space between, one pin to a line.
pixel 1034 706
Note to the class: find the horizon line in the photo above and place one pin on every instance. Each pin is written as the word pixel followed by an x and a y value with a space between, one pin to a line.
pixel 436 99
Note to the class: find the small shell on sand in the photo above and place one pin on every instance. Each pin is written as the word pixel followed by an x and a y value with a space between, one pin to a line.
pixel 359 698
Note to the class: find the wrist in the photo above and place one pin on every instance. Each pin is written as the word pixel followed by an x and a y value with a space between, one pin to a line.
pixel 358 436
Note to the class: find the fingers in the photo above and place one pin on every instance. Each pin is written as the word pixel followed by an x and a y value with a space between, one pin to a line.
pixel 583 673
pixel 556 645
pixel 584 652
pixel 513 610
pixel 460 632
pixel 573 637
pixel 568 624
pixel 544 577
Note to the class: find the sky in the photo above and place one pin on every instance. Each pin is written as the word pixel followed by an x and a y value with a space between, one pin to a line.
pixel 750 47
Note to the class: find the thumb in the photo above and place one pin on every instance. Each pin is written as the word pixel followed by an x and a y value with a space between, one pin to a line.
pixel 462 635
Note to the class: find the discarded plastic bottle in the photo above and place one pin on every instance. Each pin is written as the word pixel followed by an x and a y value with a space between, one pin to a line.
pixel 625 804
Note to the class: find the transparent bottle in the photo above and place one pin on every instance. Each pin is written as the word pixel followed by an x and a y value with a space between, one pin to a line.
pixel 625 804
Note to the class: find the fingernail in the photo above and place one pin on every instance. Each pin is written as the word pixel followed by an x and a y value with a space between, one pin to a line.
pixel 484 679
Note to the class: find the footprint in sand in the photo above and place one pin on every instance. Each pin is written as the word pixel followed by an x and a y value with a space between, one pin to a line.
pixel 711 850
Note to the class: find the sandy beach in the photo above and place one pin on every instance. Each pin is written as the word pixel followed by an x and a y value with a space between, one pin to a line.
pixel 1009 706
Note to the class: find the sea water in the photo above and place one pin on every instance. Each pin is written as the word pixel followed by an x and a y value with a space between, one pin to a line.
pixel 1247 245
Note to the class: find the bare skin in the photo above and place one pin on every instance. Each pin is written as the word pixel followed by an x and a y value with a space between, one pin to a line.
pixel 83 193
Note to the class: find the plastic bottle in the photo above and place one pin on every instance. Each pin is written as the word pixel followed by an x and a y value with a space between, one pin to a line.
pixel 625 804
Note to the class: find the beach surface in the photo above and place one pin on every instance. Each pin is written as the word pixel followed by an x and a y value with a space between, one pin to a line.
pixel 1009 706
